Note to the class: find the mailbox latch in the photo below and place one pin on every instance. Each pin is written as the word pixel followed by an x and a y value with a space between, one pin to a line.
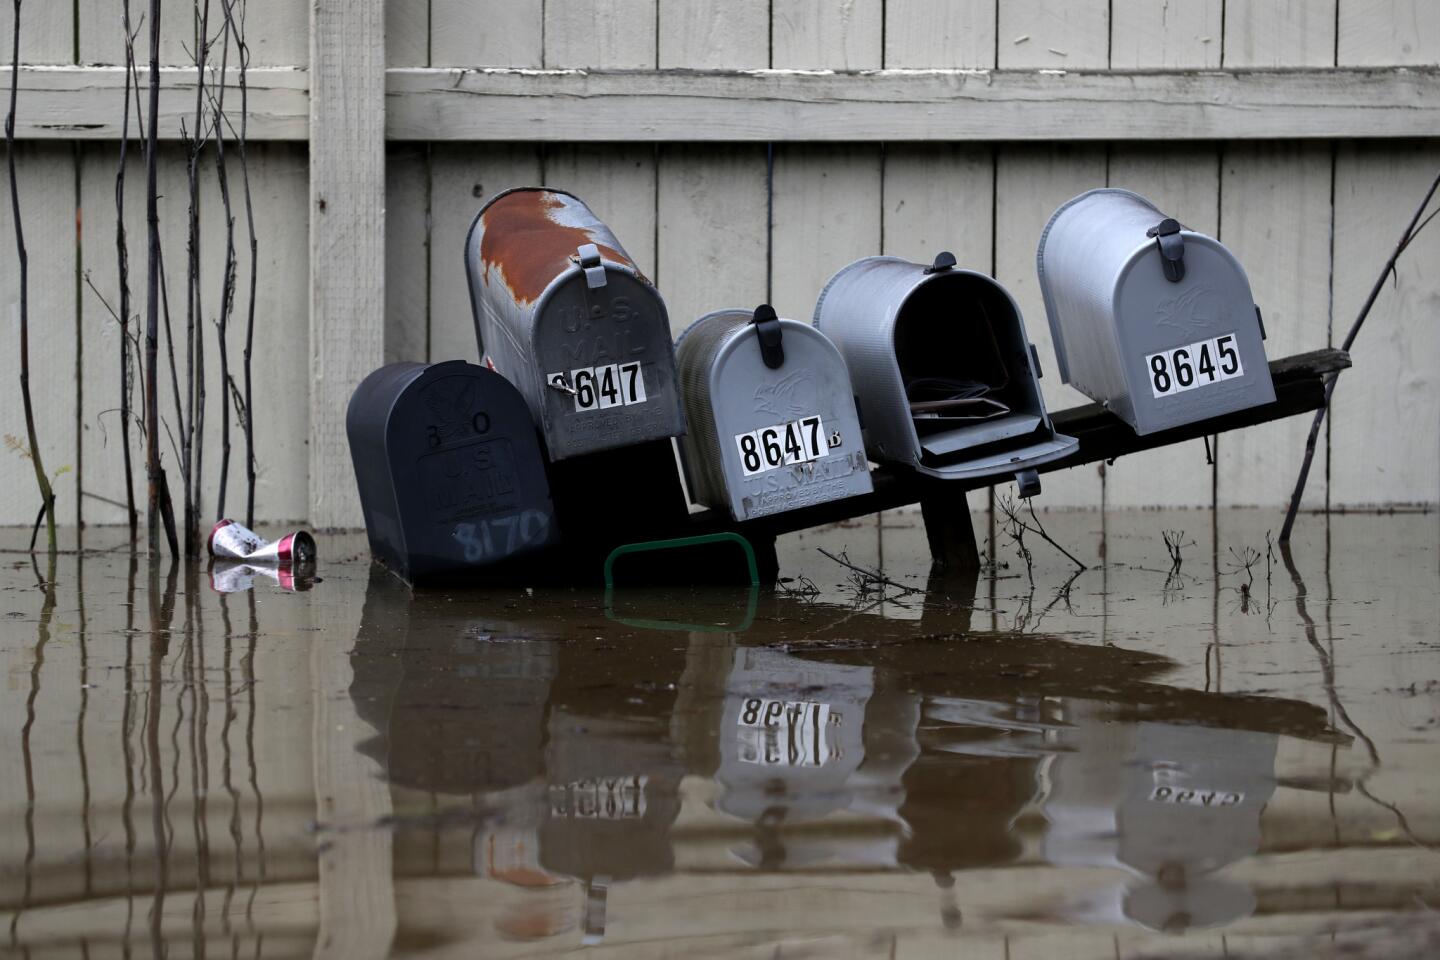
pixel 944 260
pixel 1172 248
pixel 767 330
pixel 589 255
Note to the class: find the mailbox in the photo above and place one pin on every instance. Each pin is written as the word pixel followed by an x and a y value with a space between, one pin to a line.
pixel 1151 319
pixel 946 378
pixel 450 471
pixel 773 424
pixel 562 312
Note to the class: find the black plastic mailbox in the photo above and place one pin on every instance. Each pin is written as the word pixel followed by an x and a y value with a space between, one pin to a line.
pixel 449 467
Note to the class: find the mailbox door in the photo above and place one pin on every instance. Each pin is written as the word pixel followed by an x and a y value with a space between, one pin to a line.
pixel 470 479
pixel 607 362
pixel 1191 349
pixel 788 437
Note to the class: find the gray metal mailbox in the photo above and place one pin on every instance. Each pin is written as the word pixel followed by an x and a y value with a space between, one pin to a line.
pixel 563 313
pixel 773 424
pixel 946 377
pixel 1151 319
pixel 449 468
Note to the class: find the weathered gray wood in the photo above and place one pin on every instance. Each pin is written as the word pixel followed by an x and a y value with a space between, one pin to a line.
pixel 347 238
pixel 278 174
pixel 83 103
pixel 1183 181
pixel 407 33
pixel 711 215
pixel 1384 445
pixel 46 176
pixel 1388 32
pixel 486 33
pixel 567 105
pixel 47 32
pixel 911 105
pixel 826 35
pixel 407 252
pixel 463 177
pixel 919 33
pixel 1275 217
pixel 1145 34
pixel 1066 36
pixel 940 197
pixel 705 35
pixel 276 31
pixel 1031 182
pixel 1279 33
pixel 615 34
pixel 827 214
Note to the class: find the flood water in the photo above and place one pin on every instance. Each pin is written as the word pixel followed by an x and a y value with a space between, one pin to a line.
pixel 1137 762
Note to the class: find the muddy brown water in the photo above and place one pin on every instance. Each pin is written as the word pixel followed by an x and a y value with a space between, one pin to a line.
pixel 1133 762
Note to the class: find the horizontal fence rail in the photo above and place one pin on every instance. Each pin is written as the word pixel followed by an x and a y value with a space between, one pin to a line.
pixel 519 105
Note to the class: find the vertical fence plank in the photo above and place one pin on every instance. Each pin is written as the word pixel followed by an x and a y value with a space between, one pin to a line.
pixel 347 237
pixel 1381 33
pixel 1384 445
pixel 1184 182
pixel 407 252
pixel 463 178
pixel 1042 33
pixel 1279 33
pixel 823 34
pixel 711 213
pixel 940 196
pixel 486 33
pixel 46 176
pixel 1031 182
pixel 921 34
pixel 616 181
pixel 1147 35
pixel 827 213
pixel 47 33
pixel 706 35
pixel 276 31
pixel 1275 218
pixel 407 33
pixel 617 34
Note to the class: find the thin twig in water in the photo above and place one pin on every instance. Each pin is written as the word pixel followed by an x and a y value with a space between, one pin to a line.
pixel 1412 230
pixel 122 252
pixel 47 495
pixel 870 579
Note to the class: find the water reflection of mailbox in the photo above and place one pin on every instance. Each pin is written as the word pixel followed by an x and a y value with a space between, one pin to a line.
pixel 772 418
pixel 450 471
pixel 946 377
pixel 1153 320
pixel 563 313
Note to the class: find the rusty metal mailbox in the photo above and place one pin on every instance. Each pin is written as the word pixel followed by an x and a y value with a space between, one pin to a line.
pixel 773 424
pixel 564 314
pixel 449 467
pixel 1151 319
pixel 947 380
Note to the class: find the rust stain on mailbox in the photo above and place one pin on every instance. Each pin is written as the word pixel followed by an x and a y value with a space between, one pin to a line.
pixel 529 245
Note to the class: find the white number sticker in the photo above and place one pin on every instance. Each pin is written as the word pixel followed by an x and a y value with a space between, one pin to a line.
pixel 600 388
pixel 1194 365
pixel 768 448
pixel 790 733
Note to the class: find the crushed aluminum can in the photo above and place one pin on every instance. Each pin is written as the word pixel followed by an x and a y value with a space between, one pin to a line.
pixel 233 541
pixel 236 576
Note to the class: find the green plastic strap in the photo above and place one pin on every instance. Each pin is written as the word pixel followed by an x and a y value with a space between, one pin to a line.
pixel 648 545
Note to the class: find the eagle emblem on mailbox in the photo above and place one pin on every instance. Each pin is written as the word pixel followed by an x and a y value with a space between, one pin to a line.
pixel 789 397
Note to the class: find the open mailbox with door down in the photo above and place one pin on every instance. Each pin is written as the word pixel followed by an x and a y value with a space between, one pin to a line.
pixel 1155 321
pixel 449 468
pixel 563 313
pixel 947 379
pixel 773 423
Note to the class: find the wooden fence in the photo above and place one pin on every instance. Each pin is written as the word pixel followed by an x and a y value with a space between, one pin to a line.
pixel 743 150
